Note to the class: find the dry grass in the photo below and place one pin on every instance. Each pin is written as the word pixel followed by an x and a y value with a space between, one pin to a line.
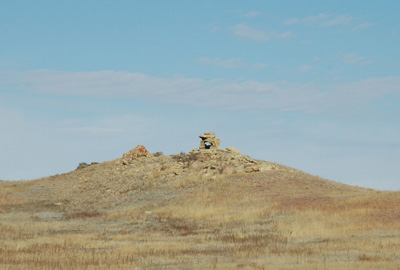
pixel 281 219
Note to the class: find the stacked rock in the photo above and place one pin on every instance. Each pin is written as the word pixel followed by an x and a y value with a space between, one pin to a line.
pixel 209 141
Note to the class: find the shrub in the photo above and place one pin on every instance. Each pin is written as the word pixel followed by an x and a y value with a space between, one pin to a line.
pixel 82 165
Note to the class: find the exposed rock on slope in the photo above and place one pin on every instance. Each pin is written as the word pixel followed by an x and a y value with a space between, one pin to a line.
pixel 138 151
pixel 206 161
pixel 202 162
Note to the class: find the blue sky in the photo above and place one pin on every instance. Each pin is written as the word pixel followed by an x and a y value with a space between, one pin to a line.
pixel 311 85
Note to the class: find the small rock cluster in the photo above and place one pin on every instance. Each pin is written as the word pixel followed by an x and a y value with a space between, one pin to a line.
pixel 138 151
pixel 199 162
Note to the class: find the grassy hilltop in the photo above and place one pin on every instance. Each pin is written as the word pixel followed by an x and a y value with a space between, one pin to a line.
pixel 210 209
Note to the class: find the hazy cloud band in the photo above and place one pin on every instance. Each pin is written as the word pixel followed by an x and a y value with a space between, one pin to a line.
pixel 230 95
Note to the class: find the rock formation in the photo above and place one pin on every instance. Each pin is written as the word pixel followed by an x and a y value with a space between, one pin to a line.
pixel 208 161
pixel 138 151
pixel 209 141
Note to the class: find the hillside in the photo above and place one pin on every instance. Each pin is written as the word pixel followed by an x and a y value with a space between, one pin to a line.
pixel 208 209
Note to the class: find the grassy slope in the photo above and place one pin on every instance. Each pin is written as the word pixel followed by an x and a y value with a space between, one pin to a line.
pixel 112 217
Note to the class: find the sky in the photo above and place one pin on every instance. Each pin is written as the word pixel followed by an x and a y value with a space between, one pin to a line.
pixel 311 85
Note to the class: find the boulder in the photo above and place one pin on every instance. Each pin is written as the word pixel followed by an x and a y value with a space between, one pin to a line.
pixel 137 152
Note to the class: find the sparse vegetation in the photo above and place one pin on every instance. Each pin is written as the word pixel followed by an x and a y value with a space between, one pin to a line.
pixel 118 217
pixel 82 165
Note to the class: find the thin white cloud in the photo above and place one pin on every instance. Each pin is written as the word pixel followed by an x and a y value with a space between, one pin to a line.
pixel 395 34
pixel 229 63
pixel 90 130
pixel 350 58
pixel 354 58
pixel 98 84
pixel 306 42
pixel 311 20
pixel 218 62
pixel 228 95
pixel 364 91
pixel 322 19
pixel 361 26
pixel 244 31
pixel 284 35
pixel 247 32
pixel 304 68
pixel 252 14
pixel 215 29
pixel 339 20
pixel 116 125
pixel 259 65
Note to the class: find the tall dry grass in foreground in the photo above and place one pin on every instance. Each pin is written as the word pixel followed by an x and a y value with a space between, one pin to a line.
pixel 273 220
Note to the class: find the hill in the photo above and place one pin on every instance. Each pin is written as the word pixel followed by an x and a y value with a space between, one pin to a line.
pixel 208 209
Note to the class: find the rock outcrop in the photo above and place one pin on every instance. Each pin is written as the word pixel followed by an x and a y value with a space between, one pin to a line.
pixel 206 162
pixel 137 152
pixel 209 141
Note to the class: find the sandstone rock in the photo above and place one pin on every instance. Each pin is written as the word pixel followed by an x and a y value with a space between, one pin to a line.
pixel 267 167
pixel 209 141
pixel 249 168
pixel 196 150
pixel 232 150
pixel 137 152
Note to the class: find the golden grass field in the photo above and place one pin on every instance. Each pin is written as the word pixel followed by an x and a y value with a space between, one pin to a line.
pixel 280 219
